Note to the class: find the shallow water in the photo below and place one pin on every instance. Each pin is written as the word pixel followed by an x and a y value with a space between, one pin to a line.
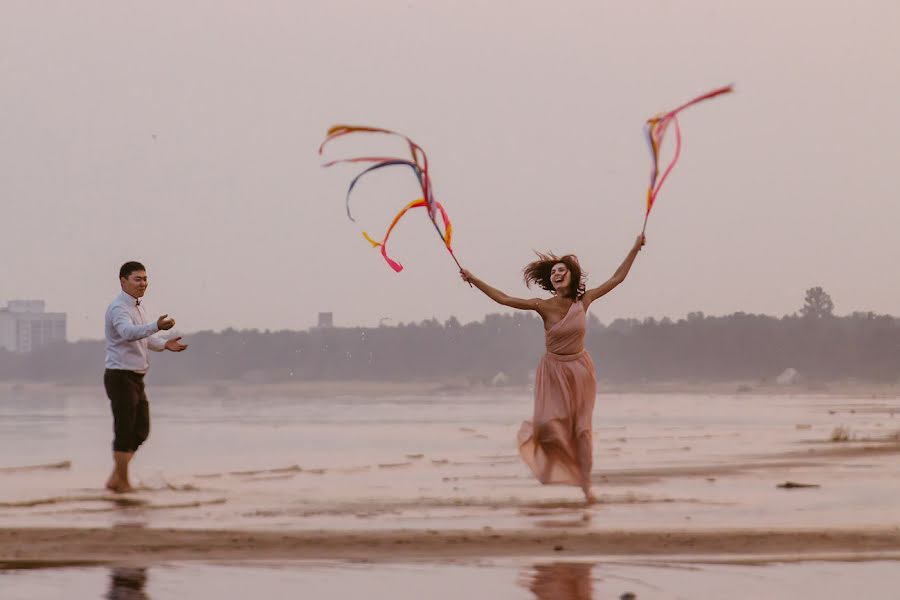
pixel 250 460
pixel 576 580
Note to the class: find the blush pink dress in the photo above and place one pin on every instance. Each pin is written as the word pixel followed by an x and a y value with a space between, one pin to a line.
pixel 558 443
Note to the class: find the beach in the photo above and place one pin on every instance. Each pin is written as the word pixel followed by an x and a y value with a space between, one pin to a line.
pixel 401 477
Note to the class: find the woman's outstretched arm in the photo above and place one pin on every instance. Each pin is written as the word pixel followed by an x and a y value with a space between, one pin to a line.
pixel 498 296
pixel 618 277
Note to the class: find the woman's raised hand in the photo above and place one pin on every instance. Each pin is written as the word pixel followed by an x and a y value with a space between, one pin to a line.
pixel 640 241
pixel 465 276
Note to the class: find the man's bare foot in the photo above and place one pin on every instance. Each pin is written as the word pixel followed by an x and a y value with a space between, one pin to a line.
pixel 118 481
pixel 114 484
pixel 122 488
pixel 589 497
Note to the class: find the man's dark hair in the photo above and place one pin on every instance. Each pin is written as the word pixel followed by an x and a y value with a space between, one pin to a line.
pixel 130 267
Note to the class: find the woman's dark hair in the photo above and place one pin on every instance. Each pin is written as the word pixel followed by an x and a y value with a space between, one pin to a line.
pixel 538 273
pixel 130 267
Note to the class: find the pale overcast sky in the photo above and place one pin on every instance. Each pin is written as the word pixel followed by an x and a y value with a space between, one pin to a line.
pixel 184 135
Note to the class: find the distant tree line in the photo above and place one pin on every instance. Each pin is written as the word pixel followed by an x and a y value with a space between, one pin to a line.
pixel 822 347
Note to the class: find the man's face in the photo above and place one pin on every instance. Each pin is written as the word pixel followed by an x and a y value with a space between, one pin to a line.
pixel 135 284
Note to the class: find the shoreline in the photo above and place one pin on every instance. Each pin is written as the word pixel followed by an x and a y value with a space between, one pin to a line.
pixel 22 548
pixel 373 388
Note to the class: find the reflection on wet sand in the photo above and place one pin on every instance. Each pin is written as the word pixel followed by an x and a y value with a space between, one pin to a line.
pixel 127 583
pixel 561 581
pixel 407 464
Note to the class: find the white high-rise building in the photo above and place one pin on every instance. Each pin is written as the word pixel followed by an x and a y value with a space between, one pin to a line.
pixel 25 326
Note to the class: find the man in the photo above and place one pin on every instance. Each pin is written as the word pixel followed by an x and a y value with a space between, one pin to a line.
pixel 128 337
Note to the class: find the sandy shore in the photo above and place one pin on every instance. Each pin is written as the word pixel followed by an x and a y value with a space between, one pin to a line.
pixel 456 387
pixel 680 479
pixel 32 548
pixel 363 388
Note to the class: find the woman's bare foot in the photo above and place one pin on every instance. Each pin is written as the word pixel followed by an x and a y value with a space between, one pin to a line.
pixel 589 497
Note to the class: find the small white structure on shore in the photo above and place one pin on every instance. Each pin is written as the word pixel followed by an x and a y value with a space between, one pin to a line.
pixel 499 379
pixel 789 376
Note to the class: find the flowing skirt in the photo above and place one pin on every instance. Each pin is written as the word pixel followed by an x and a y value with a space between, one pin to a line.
pixel 558 443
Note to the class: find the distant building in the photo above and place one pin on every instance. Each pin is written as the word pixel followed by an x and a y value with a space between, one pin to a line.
pixel 326 320
pixel 25 326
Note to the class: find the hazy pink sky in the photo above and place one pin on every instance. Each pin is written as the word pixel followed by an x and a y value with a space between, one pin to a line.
pixel 531 113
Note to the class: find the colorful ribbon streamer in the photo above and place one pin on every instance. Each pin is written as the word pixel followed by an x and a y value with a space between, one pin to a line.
pixel 655 129
pixel 419 165
pixel 446 236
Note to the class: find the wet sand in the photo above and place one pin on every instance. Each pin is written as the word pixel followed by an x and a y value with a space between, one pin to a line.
pixel 39 547
pixel 497 579
pixel 683 479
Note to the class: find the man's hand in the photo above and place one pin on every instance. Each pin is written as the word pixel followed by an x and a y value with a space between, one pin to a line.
pixel 164 323
pixel 174 345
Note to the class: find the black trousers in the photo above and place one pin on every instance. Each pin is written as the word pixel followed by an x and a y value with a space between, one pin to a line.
pixel 131 412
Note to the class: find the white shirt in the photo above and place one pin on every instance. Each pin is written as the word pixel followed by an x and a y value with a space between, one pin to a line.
pixel 129 335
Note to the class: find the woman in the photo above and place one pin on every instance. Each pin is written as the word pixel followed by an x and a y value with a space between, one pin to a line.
pixel 558 444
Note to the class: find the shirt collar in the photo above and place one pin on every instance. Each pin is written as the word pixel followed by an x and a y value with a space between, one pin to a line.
pixel 128 299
